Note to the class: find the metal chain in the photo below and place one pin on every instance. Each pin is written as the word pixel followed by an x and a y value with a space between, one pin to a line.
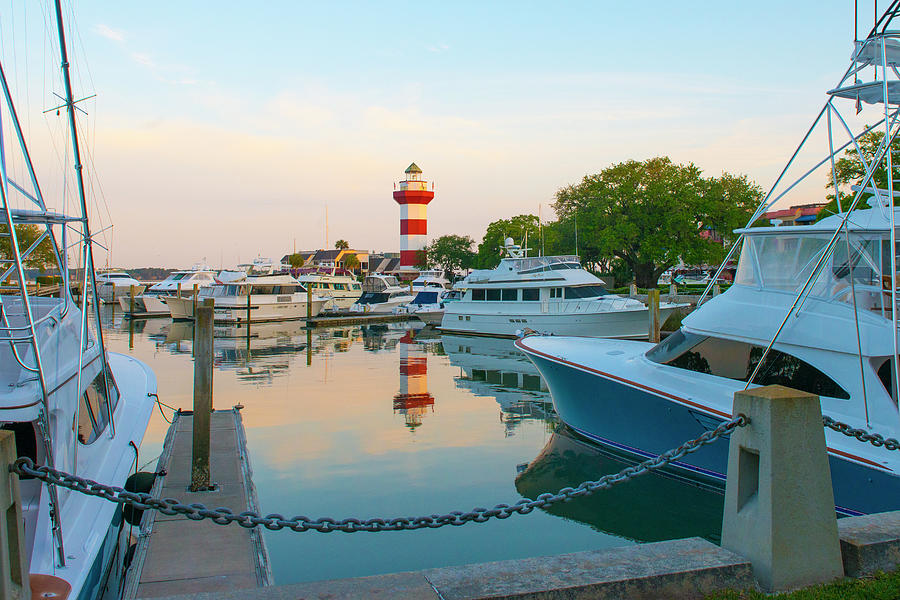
pixel 275 522
pixel 862 435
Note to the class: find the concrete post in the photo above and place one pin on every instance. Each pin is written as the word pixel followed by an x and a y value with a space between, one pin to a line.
pixel 717 289
pixel 653 310
pixel 13 561
pixel 673 292
pixel 632 289
pixel 203 385
pixel 779 504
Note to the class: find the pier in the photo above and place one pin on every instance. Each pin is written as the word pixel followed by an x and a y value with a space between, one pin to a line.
pixel 177 556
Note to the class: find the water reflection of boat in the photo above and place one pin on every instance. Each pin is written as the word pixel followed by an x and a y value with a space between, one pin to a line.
pixel 653 507
pixel 495 368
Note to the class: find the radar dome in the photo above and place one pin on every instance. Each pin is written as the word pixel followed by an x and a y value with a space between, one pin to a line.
pixel 508 242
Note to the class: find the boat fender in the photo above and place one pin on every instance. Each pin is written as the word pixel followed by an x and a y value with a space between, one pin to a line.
pixel 140 482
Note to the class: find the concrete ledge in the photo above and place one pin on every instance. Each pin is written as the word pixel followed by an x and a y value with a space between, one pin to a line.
pixel 689 568
pixel 870 543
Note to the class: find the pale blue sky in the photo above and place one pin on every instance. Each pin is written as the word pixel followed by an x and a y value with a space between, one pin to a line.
pixel 222 129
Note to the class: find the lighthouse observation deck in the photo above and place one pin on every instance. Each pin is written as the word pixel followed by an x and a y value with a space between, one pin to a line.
pixel 413 185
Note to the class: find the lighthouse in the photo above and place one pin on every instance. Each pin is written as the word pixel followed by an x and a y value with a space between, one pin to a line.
pixel 413 198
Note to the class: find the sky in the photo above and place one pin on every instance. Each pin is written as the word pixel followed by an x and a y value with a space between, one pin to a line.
pixel 222 131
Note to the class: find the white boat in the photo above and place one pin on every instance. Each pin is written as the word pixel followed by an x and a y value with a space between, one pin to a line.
pixel 428 305
pixel 430 279
pixel 550 294
pixel 113 285
pixel 812 307
pixel 381 294
pixel 254 300
pixel 339 286
pixel 153 300
pixel 71 405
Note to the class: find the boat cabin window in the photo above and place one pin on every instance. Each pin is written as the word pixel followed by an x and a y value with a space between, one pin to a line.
pixel 585 291
pixel 737 360
pixel 94 408
pixel 509 295
pixel 478 294
pixel 556 292
pixel 177 276
pixel 531 294
pixel 885 374
pixel 493 295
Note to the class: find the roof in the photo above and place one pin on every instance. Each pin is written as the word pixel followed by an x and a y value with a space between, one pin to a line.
pixel 328 255
pixel 413 168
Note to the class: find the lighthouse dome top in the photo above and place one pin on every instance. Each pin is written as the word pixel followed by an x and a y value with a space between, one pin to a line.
pixel 413 168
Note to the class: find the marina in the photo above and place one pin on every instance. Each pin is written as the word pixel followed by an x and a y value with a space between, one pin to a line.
pixel 576 406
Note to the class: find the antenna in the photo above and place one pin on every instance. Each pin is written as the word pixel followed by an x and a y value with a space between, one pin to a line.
pixel 541 228
pixel 576 231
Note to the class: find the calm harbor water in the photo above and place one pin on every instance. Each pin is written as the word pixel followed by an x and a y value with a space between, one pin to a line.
pixel 396 420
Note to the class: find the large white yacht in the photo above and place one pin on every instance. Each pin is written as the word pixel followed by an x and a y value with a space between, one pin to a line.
pixel 253 300
pixel 70 404
pixel 812 307
pixel 112 285
pixel 338 285
pixel 550 294
pixel 381 294
pixel 153 301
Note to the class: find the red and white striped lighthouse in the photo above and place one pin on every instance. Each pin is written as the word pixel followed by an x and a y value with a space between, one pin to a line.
pixel 413 198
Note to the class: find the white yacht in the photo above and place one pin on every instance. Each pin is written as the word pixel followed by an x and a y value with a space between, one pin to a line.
pixel 70 405
pixel 428 305
pixel 112 285
pixel 153 301
pixel 812 307
pixel 429 280
pixel 338 285
pixel 381 294
pixel 254 300
pixel 550 294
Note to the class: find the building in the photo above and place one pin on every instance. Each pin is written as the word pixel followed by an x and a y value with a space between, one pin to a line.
pixel 413 198
pixel 802 214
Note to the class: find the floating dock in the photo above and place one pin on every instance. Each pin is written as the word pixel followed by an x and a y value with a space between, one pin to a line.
pixel 178 556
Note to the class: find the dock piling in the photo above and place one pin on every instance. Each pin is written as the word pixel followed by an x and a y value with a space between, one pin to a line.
pixel 308 302
pixel 194 302
pixel 779 503
pixel 203 383
pixel 178 291
pixel 653 310
pixel 13 561
pixel 131 299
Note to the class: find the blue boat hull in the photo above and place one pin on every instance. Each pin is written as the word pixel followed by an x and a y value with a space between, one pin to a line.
pixel 645 424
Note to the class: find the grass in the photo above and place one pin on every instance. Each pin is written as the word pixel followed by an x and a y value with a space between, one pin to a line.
pixel 881 586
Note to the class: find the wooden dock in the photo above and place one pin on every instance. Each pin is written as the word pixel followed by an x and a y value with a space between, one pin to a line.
pixel 177 556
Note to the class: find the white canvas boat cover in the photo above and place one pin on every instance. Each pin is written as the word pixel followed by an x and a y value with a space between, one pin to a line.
pixel 868 52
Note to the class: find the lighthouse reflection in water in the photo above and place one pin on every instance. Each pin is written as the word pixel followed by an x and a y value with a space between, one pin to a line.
pixel 389 420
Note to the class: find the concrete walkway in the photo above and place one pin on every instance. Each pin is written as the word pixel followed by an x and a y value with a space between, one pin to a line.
pixel 178 556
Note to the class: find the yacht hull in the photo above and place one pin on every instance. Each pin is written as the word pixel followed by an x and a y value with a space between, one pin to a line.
pixel 646 422
pixel 626 324
pixel 265 312
pixel 145 305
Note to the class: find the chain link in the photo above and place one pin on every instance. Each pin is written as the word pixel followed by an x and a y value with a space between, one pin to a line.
pixel 862 435
pixel 275 522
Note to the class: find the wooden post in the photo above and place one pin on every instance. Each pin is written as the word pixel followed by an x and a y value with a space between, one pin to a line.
pixel 194 303
pixel 308 345
pixel 653 306
pixel 13 561
pixel 249 289
pixel 203 386
pixel 717 289
pixel 308 303
pixel 178 293
pixel 632 289
pixel 131 300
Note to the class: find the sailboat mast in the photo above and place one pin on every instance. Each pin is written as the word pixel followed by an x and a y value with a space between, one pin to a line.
pixel 85 223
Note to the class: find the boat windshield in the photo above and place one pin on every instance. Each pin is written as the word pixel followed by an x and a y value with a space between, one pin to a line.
pixel 425 298
pixel 372 298
pixel 784 262
pixel 537 264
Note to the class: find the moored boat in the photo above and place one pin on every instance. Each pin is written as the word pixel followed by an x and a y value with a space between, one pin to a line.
pixel 153 301
pixel 381 294
pixel 113 285
pixel 550 294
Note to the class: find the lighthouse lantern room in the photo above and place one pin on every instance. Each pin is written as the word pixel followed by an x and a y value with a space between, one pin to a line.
pixel 413 198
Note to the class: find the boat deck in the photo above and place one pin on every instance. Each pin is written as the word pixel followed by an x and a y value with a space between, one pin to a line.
pixel 178 556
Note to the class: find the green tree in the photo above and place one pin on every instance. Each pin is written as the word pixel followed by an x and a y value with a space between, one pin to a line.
pixel 490 250
pixel 451 253
pixel 341 245
pixel 295 260
pixel 651 213
pixel 849 170
pixel 351 262
pixel 39 258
